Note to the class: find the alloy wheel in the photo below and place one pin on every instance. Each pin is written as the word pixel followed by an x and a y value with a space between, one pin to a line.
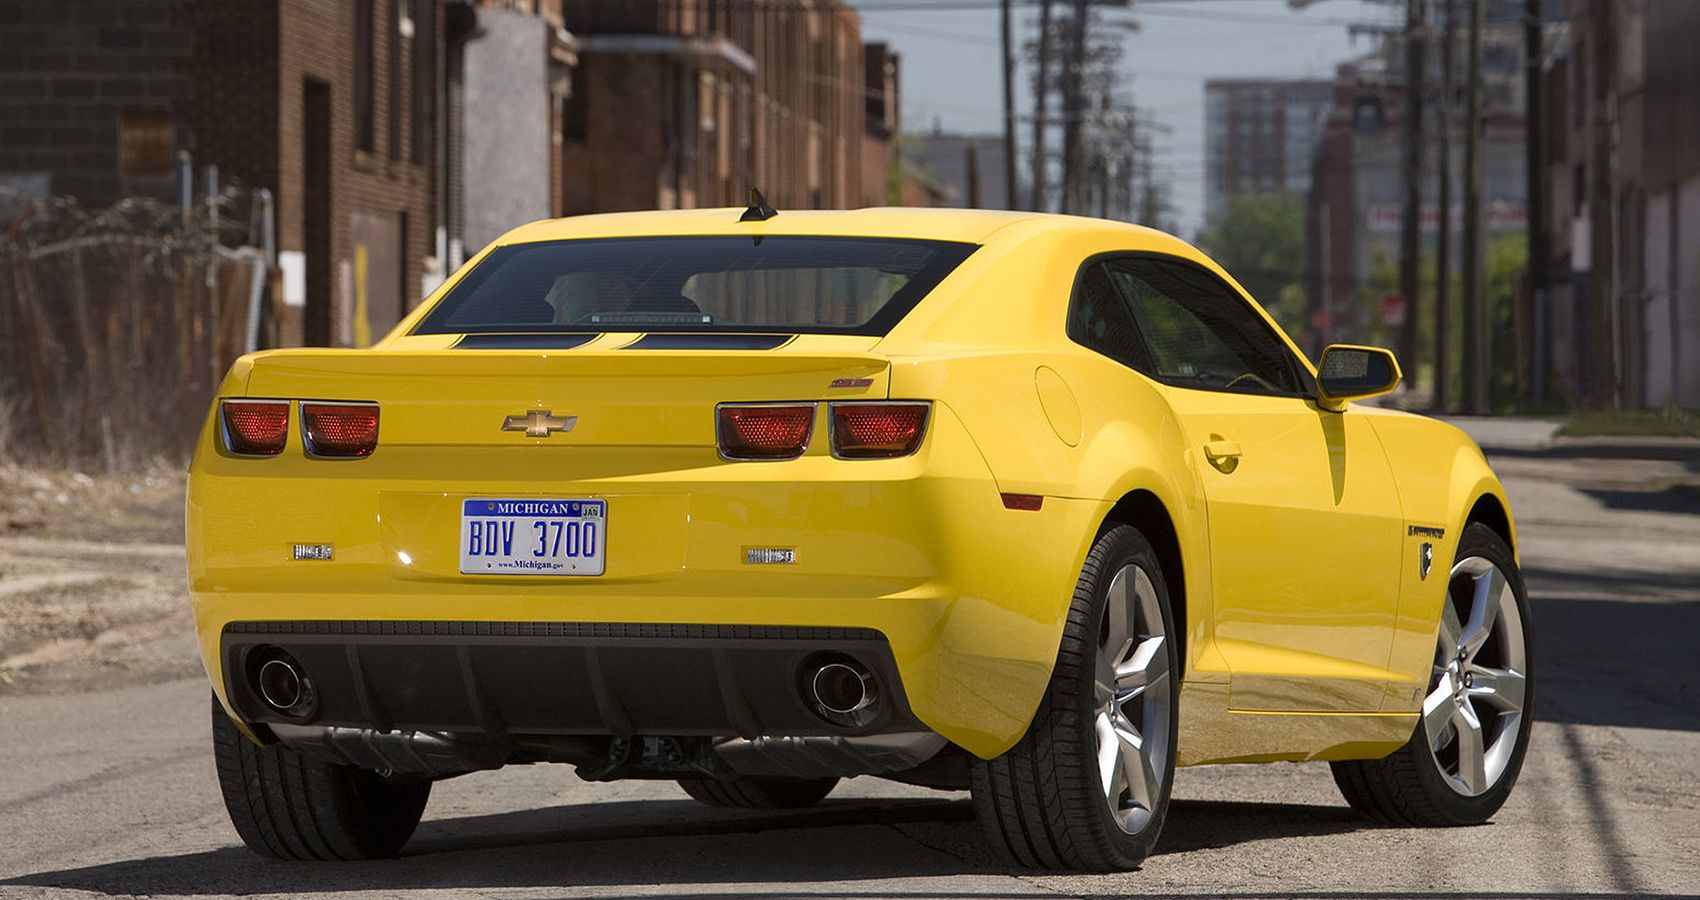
pixel 1474 711
pixel 1133 699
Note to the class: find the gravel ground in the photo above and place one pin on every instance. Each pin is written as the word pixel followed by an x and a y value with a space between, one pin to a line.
pixel 91 581
pixel 106 783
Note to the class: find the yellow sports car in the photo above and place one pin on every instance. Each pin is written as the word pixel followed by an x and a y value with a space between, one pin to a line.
pixel 1035 506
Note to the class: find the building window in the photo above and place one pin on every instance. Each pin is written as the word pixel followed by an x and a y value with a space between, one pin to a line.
pixel 576 115
pixel 365 139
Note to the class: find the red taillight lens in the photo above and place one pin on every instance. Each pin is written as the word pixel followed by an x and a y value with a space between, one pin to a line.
pixel 878 430
pixel 766 431
pixel 255 427
pixel 340 430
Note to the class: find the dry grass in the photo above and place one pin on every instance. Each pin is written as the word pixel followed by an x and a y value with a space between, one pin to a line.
pixel 145 506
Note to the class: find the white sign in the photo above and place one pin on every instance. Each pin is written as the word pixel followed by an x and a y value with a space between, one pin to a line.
pixel 293 265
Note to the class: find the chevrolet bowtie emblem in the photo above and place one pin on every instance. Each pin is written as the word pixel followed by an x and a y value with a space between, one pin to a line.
pixel 539 423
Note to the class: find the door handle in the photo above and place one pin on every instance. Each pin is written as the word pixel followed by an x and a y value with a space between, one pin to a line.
pixel 1224 455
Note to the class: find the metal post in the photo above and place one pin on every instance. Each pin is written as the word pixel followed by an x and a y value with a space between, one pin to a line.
pixel 185 187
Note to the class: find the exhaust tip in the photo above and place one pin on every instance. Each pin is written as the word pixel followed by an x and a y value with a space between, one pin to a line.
pixel 282 685
pixel 840 688
pixel 842 691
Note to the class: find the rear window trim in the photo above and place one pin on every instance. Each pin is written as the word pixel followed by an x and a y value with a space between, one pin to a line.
pixel 895 309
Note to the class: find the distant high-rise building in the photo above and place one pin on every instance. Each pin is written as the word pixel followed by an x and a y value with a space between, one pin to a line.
pixel 1259 137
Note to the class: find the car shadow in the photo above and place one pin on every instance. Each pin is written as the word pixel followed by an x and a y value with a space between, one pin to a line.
pixel 1677 498
pixel 841 848
pixel 1594 656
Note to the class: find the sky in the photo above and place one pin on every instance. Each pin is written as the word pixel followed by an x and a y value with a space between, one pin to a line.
pixel 950 57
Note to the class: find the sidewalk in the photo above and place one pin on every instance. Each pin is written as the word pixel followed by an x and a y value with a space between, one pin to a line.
pixel 1514 434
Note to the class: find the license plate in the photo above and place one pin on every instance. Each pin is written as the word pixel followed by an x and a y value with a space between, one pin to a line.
pixel 533 537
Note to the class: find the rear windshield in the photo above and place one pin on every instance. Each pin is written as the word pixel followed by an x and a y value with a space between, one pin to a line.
pixel 705 283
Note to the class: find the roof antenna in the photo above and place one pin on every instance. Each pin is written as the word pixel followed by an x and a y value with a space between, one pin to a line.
pixel 759 211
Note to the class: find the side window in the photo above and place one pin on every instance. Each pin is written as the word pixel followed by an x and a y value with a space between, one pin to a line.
pixel 1199 333
pixel 1099 319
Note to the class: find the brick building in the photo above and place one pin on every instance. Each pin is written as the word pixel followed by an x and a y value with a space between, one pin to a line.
pixel 87 95
pixel 1651 309
pixel 1260 135
pixel 329 104
pixel 398 137
pixel 685 103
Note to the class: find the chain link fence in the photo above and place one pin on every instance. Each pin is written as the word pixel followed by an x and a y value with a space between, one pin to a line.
pixel 116 326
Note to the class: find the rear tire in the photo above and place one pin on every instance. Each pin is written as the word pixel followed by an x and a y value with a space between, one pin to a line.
pixel 289 806
pixel 1478 710
pixel 759 793
pixel 1088 786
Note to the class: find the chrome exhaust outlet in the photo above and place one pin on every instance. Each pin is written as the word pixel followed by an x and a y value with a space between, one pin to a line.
pixel 283 686
pixel 842 688
pixel 843 691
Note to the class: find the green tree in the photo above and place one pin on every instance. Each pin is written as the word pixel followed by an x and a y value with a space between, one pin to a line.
pixel 1260 240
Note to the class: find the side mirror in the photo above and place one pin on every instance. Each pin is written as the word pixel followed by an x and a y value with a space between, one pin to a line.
pixel 1350 372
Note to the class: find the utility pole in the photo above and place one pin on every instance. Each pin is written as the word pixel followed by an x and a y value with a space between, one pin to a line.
pixel 1010 199
pixel 1410 219
pixel 1534 162
pixel 1443 250
pixel 1041 105
pixel 1603 320
pixel 1475 320
pixel 972 164
pixel 1074 111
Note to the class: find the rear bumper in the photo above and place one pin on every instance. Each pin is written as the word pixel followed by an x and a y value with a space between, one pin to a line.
pixel 968 597
pixel 502 679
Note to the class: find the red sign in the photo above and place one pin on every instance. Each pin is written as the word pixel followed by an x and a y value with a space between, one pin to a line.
pixel 1393 309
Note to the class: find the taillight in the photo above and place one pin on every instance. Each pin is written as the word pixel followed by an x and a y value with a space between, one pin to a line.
pixel 339 430
pixel 255 427
pixel 765 431
pixel 878 430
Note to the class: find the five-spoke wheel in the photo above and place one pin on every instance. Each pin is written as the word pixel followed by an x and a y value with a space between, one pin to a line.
pixel 1473 712
pixel 1461 762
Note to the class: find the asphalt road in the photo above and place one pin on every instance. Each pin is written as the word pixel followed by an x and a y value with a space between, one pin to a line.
pixel 111 792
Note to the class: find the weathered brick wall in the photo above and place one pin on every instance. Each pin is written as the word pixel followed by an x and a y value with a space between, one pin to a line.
pixel 229 106
pixel 316 40
pixel 68 73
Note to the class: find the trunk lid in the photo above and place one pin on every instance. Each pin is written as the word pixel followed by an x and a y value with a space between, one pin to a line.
pixel 617 395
